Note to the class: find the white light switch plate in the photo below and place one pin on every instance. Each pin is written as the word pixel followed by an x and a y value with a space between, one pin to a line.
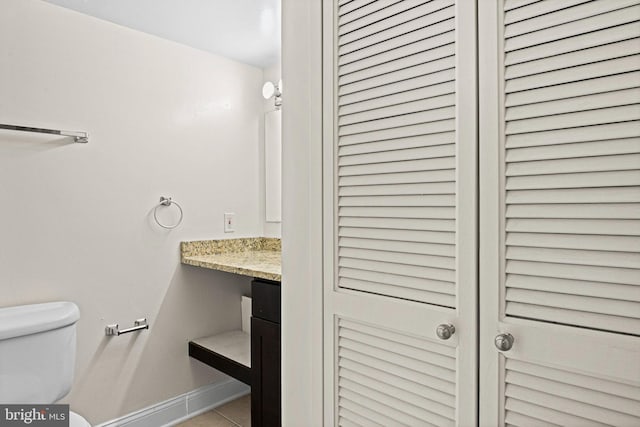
pixel 229 222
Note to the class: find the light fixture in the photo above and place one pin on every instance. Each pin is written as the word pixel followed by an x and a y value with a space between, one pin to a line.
pixel 270 90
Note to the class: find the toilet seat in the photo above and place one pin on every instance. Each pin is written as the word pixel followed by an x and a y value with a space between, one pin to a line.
pixel 76 420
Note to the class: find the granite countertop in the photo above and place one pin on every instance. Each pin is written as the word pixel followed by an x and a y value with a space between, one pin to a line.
pixel 255 257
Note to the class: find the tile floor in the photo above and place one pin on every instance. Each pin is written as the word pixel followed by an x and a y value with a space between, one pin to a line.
pixel 236 413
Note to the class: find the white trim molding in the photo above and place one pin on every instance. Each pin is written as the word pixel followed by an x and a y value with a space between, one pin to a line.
pixel 180 408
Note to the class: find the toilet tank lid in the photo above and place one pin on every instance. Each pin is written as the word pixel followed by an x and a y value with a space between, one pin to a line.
pixel 33 318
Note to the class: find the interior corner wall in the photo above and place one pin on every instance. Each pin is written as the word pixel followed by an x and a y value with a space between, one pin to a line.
pixel 272 74
pixel 76 222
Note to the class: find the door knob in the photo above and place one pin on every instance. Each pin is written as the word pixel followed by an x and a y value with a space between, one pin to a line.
pixel 504 342
pixel 445 330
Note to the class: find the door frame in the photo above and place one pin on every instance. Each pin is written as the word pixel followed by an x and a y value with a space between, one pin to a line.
pixel 302 363
pixel 489 116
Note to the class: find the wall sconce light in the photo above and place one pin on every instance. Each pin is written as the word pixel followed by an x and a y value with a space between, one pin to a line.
pixel 270 90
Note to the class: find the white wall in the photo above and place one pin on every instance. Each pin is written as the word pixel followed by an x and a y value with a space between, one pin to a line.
pixel 75 220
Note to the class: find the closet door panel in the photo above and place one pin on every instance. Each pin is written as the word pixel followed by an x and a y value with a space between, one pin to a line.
pixel 560 212
pixel 400 193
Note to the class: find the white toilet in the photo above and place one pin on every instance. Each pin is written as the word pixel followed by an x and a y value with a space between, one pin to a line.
pixel 37 354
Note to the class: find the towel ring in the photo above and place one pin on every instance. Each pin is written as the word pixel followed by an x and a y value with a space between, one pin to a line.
pixel 166 201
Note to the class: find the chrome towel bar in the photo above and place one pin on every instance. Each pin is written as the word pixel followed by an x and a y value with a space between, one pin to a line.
pixel 113 330
pixel 80 137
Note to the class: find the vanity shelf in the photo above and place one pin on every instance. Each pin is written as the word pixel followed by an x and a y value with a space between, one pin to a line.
pixel 229 352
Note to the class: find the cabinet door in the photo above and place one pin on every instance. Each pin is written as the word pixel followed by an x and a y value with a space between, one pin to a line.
pixel 399 212
pixel 265 370
pixel 560 212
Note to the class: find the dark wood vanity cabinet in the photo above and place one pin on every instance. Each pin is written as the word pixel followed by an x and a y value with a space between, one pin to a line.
pixel 265 354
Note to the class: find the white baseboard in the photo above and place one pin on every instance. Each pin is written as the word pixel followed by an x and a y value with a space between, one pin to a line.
pixel 180 408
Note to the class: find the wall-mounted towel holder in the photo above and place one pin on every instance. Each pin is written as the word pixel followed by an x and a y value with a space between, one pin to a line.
pixel 113 330
pixel 166 201
pixel 80 137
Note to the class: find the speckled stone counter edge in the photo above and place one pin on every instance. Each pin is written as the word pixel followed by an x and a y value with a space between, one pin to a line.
pixel 213 247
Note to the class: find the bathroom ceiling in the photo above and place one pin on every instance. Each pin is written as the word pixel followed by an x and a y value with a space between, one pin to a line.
pixel 244 30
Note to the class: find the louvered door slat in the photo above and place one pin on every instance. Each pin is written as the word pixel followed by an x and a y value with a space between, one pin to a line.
pixel 582 195
pixel 394 19
pixel 532 11
pixel 573 28
pixel 414 386
pixel 405 76
pixel 406 177
pixel 570 406
pixel 575 287
pixel 598 101
pixel 375 14
pixel 378 281
pixel 399 269
pixel 564 46
pixel 367 413
pixel 577 303
pixel 404 56
pixel 575 226
pixel 396 100
pixel 576 257
pixel 562 396
pixel 399 246
pixel 392 212
pixel 420 105
pixel 569 120
pixel 576 164
pixel 431 29
pixel 575 241
pixel 625 391
pixel 572 59
pixel 384 372
pixel 540 415
pixel 584 149
pixel 404 120
pixel 391 189
pixel 514 4
pixel 346 6
pixel 399 223
pixel 573 74
pixel 567 136
pixel 526 20
pixel 608 211
pixel 372 79
pixel 575 180
pixel 600 85
pixel 360 9
pixel 429 152
pixel 628 276
pixel 587 395
pixel 390 146
pixel 437 21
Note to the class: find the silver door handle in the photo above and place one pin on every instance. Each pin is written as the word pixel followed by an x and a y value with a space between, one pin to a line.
pixel 504 342
pixel 445 330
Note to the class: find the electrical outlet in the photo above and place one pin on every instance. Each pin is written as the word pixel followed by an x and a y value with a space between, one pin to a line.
pixel 229 222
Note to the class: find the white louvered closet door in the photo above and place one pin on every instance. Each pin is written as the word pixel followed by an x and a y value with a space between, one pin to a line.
pixel 560 212
pixel 400 212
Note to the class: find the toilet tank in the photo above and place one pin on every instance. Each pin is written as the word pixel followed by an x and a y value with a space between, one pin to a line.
pixel 37 352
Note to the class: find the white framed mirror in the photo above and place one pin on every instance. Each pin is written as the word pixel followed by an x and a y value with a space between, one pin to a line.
pixel 273 165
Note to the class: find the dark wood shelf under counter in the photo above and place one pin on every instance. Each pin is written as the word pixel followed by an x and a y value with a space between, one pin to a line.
pixel 229 352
